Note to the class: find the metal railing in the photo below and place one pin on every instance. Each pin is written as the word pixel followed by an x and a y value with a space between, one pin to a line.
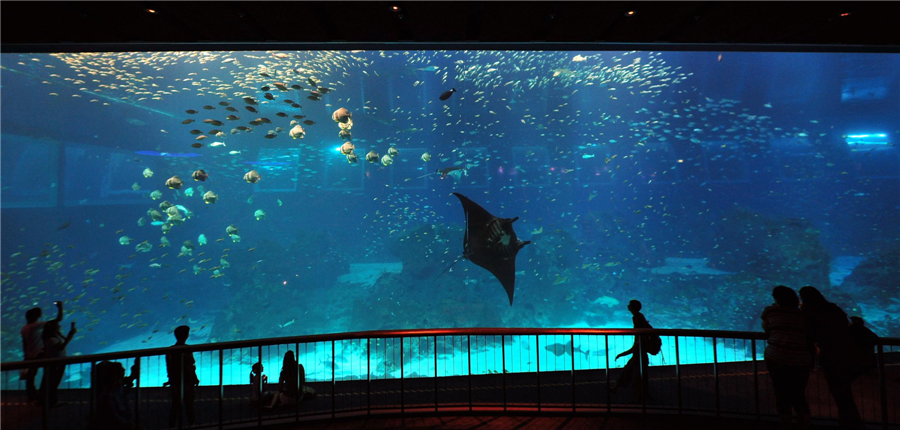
pixel 493 370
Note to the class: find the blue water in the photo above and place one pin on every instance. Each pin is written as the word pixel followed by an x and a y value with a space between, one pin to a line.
pixel 689 183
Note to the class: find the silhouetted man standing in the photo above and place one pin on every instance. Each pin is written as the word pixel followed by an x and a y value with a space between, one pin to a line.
pixel 182 379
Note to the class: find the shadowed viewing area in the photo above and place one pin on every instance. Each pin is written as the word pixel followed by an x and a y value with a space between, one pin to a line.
pixel 330 215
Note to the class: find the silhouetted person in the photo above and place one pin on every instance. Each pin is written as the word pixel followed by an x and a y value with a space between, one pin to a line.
pixel 838 354
pixel 789 355
pixel 258 381
pixel 290 382
pixel 638 365
pixel 181 405
pixel 54 347
pixel 865 341
pixel 113 411
pixel 33 345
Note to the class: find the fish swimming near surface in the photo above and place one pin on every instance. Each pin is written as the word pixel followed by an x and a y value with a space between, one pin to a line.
pixel 491 243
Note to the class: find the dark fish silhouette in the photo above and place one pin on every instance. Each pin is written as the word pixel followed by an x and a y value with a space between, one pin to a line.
pixel 448 171
pixel 491 243
pixel 559 349
pixel 446 95
pixel 63 226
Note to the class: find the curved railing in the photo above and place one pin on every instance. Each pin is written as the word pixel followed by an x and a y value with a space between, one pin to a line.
pixel 483 369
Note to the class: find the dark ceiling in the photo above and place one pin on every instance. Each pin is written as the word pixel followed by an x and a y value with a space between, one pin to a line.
pixel 52 25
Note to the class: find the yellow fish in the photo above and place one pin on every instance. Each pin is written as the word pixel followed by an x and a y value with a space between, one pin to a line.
pixel 538 231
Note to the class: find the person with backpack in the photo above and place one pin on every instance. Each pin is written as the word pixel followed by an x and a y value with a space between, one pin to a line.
pixel 638 365
pixel 789 355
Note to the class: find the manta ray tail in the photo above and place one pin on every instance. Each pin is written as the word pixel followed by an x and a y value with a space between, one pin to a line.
pixel 448 268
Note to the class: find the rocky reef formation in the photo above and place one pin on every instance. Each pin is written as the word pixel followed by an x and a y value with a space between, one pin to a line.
pixel 878 275
pixel 781 251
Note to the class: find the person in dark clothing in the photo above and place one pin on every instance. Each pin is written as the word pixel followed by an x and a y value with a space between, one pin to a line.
pixel 789 355
pixel 54 347
pixel 258 381
pixel 838 354
pixel 638 365
pixel 33 345
pixel 113 410
pixel 177 385
pixel 291 382
pixel 865 341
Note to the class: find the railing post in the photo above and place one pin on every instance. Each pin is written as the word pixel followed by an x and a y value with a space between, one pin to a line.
pixel 137 394
pixel 608 399
pixel 93 398
pixel 503 367
pixel 182 409
pixel 678 373
pixel 259 390
pixel 368 376
pixel 45 409
pixel 716 373
pixel 469 347
pixel 883 387
pixel 572 339
pixel 333 385
pixel 435 375
pixel 755 379
pixel 645 382
pixel 537 352
pixel 402 387
pixel 298 383
pixel 221 389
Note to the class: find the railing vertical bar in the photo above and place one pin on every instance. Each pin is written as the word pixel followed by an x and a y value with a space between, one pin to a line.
pixel 182 409
pixel 469 347
pixel 755 378
pixel 678 374
pixel 883 387
pixel 137 393
pixel 93 398
pixel 333 385
pixel 435 375
pixel 537 353
pixel 299 383
pixel 716 374
pixel 221 390
pixel 645 383
pixel 572 340
pixel 259 391
pixel 402 385
pixel 608 394
pixel 368 376
pixel 45 409
pixel 503 367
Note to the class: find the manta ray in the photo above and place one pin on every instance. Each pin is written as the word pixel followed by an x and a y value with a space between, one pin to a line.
pixel 455 172
pixel 490 242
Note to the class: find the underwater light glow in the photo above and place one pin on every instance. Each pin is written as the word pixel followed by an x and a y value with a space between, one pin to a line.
pixel 878 139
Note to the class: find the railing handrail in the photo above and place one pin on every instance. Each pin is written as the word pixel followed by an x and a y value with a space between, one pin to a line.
pixel 328 337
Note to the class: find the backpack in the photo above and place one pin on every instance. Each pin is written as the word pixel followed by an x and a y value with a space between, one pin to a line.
pixel 654 344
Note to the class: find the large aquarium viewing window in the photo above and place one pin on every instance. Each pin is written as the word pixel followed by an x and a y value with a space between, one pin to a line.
pixel 260 194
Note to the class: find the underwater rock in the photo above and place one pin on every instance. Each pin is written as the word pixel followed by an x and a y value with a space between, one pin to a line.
pixel 879 274
pixel 784 251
